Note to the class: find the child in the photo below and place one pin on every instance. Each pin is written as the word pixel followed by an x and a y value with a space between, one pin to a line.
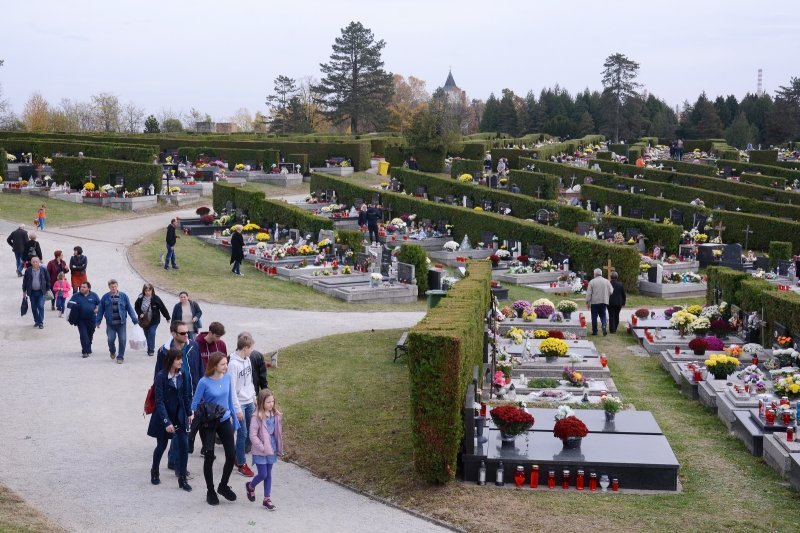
pixel 266 434
pixel 40 217
pixel 61 288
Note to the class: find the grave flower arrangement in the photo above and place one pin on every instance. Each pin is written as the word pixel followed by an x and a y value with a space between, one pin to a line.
pixel 573 377
pixel 376 276
pixel 711 312
pixel 784 342
pixel 642 312
pixel 507 311
pixel 698 346
pixel 543 311
pixel 505 367
pixel 521 305
pixel 555 334
pixel 721 366
pixel 503 254
pixel 699 325
pixel 695 309
pixel 714 343
pixel 787 384
pixel 516 334
pixel 734 350
pixel 553 347
pixel 541 334
pixel 568 425
pixel 511 420
pixel 451 246
pixel 682 321
pixel 754 377
pixel 251 228
pixel 10 158
pixel 89 186
pixel 465 178
pixel 567 306
pixel 786 356
pixel 262 236
pixel 610 404
pixel 529 316
pixel 239 166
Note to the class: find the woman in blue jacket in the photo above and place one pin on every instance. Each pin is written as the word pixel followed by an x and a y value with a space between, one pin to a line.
pixel 82 311
pixel 172 417
pixel 216 388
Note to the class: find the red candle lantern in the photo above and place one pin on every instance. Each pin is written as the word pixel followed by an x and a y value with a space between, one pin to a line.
pixel 677 350
pixel 755 360
pixel 483 409
pixel 579 480
pixel 790 433
pixel 787 418
pixel 565 479
pixel 784 400
pixel 593 481
pixel 551 479
pixel 603 361
pixel 697 375
pixel 519 477
pixel 634 320
pixel 535 476
pixel 770 416
pixel 615 484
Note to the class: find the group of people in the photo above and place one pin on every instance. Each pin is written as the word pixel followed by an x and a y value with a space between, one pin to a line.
pixel 605 295
pixel 197 386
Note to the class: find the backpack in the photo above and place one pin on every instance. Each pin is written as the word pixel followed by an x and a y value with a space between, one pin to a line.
pixel 150 401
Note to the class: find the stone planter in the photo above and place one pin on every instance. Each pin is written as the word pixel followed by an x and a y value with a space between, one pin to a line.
pixel 572 443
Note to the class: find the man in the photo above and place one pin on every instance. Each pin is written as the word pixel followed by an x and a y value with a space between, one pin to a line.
pixel 18 240
pixel 171 240
pixel 598 294
pixel 35 284
pixel 211 341
pixel 237 250
pixel 190 368
pixel 373 215
pixel 616 302
pixel 244 396
pixel 116 307
pixel 83 308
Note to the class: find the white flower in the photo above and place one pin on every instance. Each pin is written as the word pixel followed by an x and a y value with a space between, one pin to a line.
pixel 503 253
pixel 376 276
pixel 564 411
pixel 451 246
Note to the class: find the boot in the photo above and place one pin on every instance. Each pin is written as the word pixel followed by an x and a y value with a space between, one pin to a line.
pixel 182 484
pixel 154 479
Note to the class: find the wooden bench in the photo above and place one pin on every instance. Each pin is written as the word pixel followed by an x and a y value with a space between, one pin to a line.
pixel 401 347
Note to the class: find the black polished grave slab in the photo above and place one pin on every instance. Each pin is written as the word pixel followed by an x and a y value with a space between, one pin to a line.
pixel 748 432
pixel 761 423
pixel 794 470
pixel 625 422
pixel 644 462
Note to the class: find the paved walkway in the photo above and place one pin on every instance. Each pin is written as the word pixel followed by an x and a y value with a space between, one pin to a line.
pixel 75 443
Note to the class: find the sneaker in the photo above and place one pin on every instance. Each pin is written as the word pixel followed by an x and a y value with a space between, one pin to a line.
pixel 211 497
pixel 245 470
pixel 226 492
pixel 113 355
pixel 268 504
pixel 251 492
pixel 120 361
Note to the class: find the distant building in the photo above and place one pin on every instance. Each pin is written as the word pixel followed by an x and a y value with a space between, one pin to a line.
pixel 215 127
pixel 226 127
pixel 452 92
pixel 204 127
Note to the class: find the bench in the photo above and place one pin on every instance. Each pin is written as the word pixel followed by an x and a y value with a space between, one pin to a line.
pixel 401 347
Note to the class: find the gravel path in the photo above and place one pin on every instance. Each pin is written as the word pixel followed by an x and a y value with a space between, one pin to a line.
pixel 76 445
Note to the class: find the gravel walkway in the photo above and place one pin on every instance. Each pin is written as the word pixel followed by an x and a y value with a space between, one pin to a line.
pixel 76 446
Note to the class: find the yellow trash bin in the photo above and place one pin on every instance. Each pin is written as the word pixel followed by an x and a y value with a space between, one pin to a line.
pixel 383 168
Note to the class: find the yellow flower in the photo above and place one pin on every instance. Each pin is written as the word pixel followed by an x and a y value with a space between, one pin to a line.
pixel 465 178
pixel 478 208
pixel 550 347
pixel 695 309
pixel 794 388
pixel 540 334
pixel 89 186
pixel 577 375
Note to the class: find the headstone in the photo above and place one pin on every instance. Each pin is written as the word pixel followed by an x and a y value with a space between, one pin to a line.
pixel 438 199
pixel 376 198
pixel 761 262
pixel 435 277
pixel 405 273
pixel 770 198
pixel 450 199
pixel 362 261
pixel 228 206
pixel 699 221
pixel 487 238
pixel 503 208
pixel 655 274
pixel 394 185
pixel 543 216
pixel 610 231
pixel 468 203
pixel 420 191
pixel 705 255
pixel 294 235
pixel 732 253
pixel 676 216
pixel 583 228
pixel 637 212
pixel 386 260
pixel 632 233
pixel 441 226
pixel 358 202
pixel 486 205
pixel 536 251
pixel 559 258
pixel 327 234
pixel 783 267
pixel 779 330
pixel 465 244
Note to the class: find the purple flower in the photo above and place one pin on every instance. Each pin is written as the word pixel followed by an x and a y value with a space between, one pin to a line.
pixel 543 311
pixel 714 343
pixel 522 304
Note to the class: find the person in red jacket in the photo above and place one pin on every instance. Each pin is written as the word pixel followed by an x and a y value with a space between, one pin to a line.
pixel 56 266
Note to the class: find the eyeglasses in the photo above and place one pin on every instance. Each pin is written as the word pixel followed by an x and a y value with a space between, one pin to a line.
pixel 182 332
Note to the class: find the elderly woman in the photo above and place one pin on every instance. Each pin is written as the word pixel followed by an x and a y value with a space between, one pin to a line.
pixel 188 312
pixel 32 248
pixel 149 308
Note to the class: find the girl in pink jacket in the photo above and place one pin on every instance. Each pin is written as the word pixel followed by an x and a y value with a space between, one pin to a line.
pixel 266 438
pixel 61 288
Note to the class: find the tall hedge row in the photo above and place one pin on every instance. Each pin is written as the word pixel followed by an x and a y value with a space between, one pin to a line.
pixel 474 150
pixel 3 165
pixel 466 166
pixel 768 170
pixel 429 160
pixel 586 254
pixel 763 157
pixel 76 169
pixel 268 212
pixel 231 155
pixel 689 168
pixel 531 182
pixel 779 250
pixel 443 348
pixel 665 235
pixel 41 148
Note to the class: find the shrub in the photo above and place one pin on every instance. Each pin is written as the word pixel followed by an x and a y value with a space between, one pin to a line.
pixel 531 182
pixel 352 239
pixel 75 170
pixel 763 157
pixel 414 254
pixel 779 250
pixel 429 160
pixel 466 166
pixel 41 148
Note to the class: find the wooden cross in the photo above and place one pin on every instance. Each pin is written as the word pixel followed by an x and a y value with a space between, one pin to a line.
pixel 609 269
pixel 747 232
pixel 654 220
pixel 720 228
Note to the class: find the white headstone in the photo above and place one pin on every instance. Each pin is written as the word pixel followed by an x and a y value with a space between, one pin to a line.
pixel 465 245
pixel 659 273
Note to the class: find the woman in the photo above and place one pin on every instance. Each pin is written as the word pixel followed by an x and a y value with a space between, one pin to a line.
pixel 149 309
pixel 188 312
pixel 77 264
pixel 56 266
pixel 216 388
pixel 82 312
pixel 237 250
pixel 32 248
pixel 172 417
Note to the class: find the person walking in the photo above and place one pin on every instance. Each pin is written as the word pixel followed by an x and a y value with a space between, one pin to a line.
pixel 32 248
pixel 172 418
pixel 149 308
pixel 115 307
pixel 35 284
pixel 61 291
pixel 598 294
pixel 616 302
pixel 188 311
pixel 83 307
pixel 56 266
pixel 18 240
pixel 216 388
pixel 41 215
pixel 266 433
pixel 77 265
pixel 211 341
pixel 172 239
pixel 237 250
pixel 241 371
pixel 373 216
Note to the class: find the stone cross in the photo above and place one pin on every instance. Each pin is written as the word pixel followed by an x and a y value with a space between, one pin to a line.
pixel 654 220
pixel 747 232
pixel 609 269
pixel 539 192
pixel 720 228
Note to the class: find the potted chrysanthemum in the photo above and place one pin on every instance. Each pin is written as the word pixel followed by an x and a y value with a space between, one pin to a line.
pixel 569 428
pixel 511 421
pixel 567 307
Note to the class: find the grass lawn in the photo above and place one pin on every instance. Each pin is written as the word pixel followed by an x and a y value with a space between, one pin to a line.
pixel 207 269
pixel 16 516
pixel 357 398
pixel 520 292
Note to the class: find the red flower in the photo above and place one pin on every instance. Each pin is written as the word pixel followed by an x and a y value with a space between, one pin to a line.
pixel 698 344
pixel 512 420
pixel 571 426
pixel 555 334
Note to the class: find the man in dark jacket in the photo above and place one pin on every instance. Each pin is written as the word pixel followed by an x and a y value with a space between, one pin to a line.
pixel 237 250
pixel 616 302
pixel 373 216
pixel 18 240
pixel 83 308
pixel 171 240
pixel 32 249
pixel 35 284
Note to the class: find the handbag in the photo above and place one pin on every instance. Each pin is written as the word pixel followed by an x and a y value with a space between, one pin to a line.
pixel 150 400
pixel 144 321
pixel 23 308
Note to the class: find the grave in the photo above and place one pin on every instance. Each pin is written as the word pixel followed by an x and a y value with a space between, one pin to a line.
pixel 669 339
pixel 676 216
pixel 455 259
pixel 778 452
pixel 672 291
pixel 527 279
pixel 334 170
pixel 637 213
pixel 536 251
pixel 732 256
pixel 573 326
pixel 705 254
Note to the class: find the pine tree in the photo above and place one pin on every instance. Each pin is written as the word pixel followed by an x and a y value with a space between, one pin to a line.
pixel 151 125
pixel 740 132
pixel 491 115
pixel 507 113
pixel 355 86
pixel 278 102
pixel 586 125
pixel 619 74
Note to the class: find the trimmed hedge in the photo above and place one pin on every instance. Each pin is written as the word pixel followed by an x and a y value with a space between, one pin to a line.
pixel 652 141
pixel 232 156
pixel 267 212
pixel 701 169
pixel 668 236
pixel 767 170
pixel 443 349
pixel 3 165
pixel 521 206
pixel 414 254
pixel 466 166
pixel 429 160
pixel 604 156
pixel 396 155
pixel 779 250
pixel 75 170
pixel 586 254
pixel 763 157
pixel 474 150
pixel 41 148
pixel 301 159
pixel 529 182
pixel 619 149
pixel 512 154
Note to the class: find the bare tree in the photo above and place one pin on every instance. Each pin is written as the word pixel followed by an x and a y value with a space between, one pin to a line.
pixel 132 118
pixel 36 114
pixel 108 111
pixel 243 120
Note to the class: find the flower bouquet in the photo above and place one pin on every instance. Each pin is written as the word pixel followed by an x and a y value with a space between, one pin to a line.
pixel 521 306
pixel 753 377
pixel 721 366
pixel 682 321
pixel 569 428
pixel 507 311
pixel 543 311
pixel 543 301
pixel 695 309
pixel 698 346
pixel 700 326
pixel 610 404
pixel 715 344
pixel 573 377
pixel 784 342
pixel 529 316
pixel 555 334
pixel 450 246
pixel 734 350
pixel 642 313
pixel 503 254
pixel 787 385
pixel 516 334
pixel 541 334
pixel 511 420
pixel 551 348
pixel 465 178
pixel 567 307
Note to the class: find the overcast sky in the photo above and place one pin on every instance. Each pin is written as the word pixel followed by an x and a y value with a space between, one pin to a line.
pixel 219 56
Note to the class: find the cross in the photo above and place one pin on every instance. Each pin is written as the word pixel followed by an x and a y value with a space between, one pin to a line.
pixel 609 268
pixel 539 192
pixel 90 177
pixel 747 232
pixel 720 228
pixel 654 220
pixel 717 294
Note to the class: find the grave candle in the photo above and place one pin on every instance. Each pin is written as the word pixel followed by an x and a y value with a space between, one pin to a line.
pixel 770 416
pixel 790 433
pixel 760 407
pixel 499 479
pixel 698 375
pixel 615 484
pixel 519 477
pixel 551 479
pixel 565 479
pixel 579 480
pixel 634 319
pixel 593 481
pixel 787 418
pixel 755 360
pixel 482 474
pixel 677 350
pixel 784 400
pixel 534 476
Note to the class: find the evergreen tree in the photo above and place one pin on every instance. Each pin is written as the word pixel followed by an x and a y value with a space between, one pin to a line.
pixel 740 132
pixel 619 75
pixel 355 86
pixel 491 115
pixel 586 125
pixel 507 113
pixel 706 120
pixel 151 125
pixel 723 111
pixel 278 102
pixel 172 125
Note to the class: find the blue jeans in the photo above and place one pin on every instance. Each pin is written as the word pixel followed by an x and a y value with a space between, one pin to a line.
pixel 37 306
pixel 170 257
pixel 41 223
pixel 20 262
pixel 150 335
pixel 236 265
pixel 598 310
pixel 243 434
pixel 178 454
pixel 86 331
pixel 117 332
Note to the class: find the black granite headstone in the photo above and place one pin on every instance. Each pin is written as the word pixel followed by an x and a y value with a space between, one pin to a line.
pixel 420 191
pixel 732 254
pixel 294 235
pixel 469 203
pixel 705 255
pixel 487 237
pixel 450 199
pixel 362 261
pixel 405 273
pixel 376 198
pixel 543 216
pixel 386 260
pixel 699 221
pixel 435 277
pixel 632 233
pixel 559 258
pixel 486 205
pixel 536 251
pixel 676 216
pixel 779 330
pixel 761 262
pixel 637 212
pixel 783 267
pixel 583 228
pixel 358 202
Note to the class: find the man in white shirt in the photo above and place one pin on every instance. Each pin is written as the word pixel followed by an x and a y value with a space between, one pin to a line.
pixel 241 372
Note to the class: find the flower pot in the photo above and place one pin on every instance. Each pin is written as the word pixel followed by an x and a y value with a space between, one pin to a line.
pixel 520 312
pixel 494 264
pixel 507 439
pixel 610 416
pixel 699 352
pixel 719 375
pixel 572 443
pixel 374 283
pixel 567 315
pixel 551 358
